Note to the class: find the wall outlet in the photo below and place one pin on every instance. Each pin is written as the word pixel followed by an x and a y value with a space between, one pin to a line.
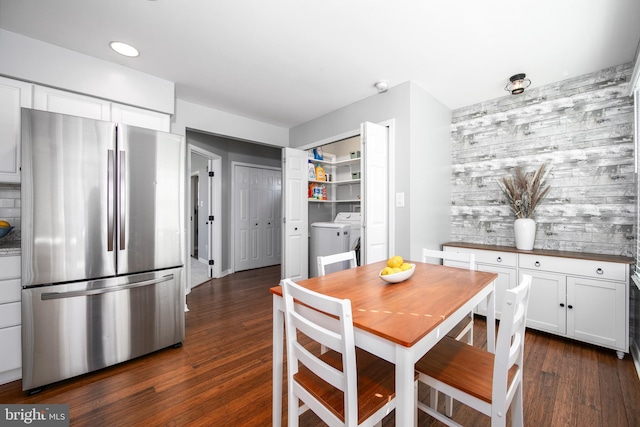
pixel 400 200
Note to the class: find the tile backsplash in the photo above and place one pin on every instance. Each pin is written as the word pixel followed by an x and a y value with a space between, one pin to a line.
pixel 10 209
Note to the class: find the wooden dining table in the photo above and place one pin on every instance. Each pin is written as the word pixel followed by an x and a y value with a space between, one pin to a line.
pixel 398 322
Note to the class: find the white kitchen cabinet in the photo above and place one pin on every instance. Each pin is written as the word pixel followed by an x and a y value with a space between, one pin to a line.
pixel 63 102
pixel 10 333
pixel 60 101
pixel 140 117
pixel 547 307
pixel 587 300
pixel 14 94
pixel 577 295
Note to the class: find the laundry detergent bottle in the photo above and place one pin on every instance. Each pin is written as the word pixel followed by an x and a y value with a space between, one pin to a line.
pixel 320 173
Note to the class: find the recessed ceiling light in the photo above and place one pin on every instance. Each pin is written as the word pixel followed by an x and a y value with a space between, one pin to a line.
pixel 124 49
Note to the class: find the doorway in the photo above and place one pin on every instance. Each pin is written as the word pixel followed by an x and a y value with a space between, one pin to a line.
pixel 195 189
pixel 204 208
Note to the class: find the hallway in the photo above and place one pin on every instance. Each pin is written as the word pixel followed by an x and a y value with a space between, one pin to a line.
pixel 199 272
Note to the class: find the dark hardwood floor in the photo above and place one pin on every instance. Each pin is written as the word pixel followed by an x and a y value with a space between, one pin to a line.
pixel 221 376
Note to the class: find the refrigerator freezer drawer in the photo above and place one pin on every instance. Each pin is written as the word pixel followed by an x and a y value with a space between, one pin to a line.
pixel 72 329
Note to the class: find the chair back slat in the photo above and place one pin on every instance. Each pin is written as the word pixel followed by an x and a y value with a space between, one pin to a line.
pixel 450 256
pixel 349 258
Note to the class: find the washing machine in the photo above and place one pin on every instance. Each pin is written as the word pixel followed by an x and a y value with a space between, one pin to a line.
pixel 354 220
pixel 328 238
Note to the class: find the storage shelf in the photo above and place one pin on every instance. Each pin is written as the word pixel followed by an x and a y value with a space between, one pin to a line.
pixel 334 201
pixel 346 162
pixel 343 182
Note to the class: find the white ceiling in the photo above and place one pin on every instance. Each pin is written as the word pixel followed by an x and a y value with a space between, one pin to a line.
pixel 289 61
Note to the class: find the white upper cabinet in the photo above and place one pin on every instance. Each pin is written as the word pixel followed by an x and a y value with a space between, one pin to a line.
pixel 13 95
pixel 59 101
pixel 140 117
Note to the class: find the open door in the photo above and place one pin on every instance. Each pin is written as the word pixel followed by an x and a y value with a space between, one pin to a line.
pixel 295 241
pixel 375 179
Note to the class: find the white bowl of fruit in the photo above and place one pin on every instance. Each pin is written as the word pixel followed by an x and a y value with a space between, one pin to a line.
pixel 397 270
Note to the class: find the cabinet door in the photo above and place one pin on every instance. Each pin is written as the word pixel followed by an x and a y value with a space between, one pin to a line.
pixel 59 101
pixel 13 95
pixel 140 117
pixel 596 312
pixel 506 280
pixel 11 354
pixel 9 267
pixel 547 311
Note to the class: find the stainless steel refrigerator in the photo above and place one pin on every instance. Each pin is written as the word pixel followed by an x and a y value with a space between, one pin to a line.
pixel 102 244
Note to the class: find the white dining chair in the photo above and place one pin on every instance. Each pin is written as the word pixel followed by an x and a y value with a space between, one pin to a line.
pixel 345 386
pixel 487 382
pixel 464 327
pixel 324 261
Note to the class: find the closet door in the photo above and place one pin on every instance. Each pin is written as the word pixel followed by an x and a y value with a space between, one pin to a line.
pixel 258 217
pixel 375 178
pixel 295 241
pixel 256 225
pixel 272 218
pixel 242 234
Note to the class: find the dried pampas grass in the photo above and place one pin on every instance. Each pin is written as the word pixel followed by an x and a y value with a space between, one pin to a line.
pixel 524 191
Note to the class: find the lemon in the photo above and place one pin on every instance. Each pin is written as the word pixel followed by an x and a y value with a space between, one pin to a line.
pixel 396 270
pixel 405 266
pixel 386 270
pixel 4 224
pixel 395 261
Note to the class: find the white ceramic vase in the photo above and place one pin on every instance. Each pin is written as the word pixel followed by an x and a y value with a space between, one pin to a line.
pixel 525 232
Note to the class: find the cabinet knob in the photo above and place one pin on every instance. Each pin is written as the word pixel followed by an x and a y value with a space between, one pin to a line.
pixel 600 271
pixel 537 264
pixel 569 306
pixel 499 259
pixel 561 304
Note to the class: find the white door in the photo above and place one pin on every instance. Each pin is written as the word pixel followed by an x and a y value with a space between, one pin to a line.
pixel 295 243
pixel 272 218
pixel 258 216
pixel 375 179
pixel 242 181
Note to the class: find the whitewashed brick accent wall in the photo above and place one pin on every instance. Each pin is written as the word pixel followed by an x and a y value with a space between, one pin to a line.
pixel 581 127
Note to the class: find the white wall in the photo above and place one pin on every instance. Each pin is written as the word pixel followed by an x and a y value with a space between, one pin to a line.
pixel 430 166
pixel 35 61
pixel 198 117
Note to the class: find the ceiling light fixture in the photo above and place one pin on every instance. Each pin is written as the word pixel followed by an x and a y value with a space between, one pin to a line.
pixel 124 49
pixel 382 86
pixel 517 84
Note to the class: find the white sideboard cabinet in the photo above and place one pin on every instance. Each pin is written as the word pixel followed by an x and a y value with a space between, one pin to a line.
pixel 577 295
pixel 10 320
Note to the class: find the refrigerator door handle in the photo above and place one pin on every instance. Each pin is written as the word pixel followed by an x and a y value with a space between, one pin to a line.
pixel 110 199
pixel 82 293
pixel 122 198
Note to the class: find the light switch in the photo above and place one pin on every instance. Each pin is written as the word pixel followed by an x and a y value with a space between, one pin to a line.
pixel 400 200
